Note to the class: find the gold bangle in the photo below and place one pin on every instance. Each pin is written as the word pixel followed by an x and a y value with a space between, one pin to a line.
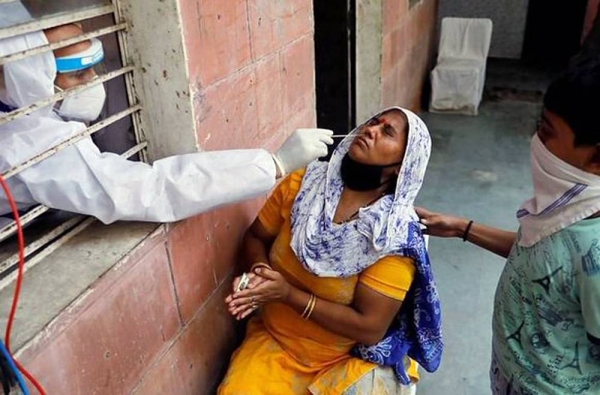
pixel 312 307
pixel 312 303
pixel 310 300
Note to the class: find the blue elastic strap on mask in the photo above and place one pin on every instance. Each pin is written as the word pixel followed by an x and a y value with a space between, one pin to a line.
pixel 82 60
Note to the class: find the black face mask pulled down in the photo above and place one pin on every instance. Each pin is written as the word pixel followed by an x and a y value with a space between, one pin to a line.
pixel 360 177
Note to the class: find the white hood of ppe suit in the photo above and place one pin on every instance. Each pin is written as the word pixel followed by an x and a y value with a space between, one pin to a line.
pixel 13 13
pixel 27 81
pixel 30 79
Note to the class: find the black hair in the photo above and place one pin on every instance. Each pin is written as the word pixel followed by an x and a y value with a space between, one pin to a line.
pixel 575 97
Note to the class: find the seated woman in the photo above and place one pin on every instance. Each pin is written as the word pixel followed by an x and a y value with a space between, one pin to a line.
pixel 339 269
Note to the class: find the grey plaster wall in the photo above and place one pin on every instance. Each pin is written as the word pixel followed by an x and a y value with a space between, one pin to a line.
pixel 368 58
pixel 509 18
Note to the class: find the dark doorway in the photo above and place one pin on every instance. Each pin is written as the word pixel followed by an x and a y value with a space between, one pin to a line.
pixel 334 60
pixel 553 31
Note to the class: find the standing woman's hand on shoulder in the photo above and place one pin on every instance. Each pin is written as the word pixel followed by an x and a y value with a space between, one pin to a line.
pixel 495 240
pixel 441 225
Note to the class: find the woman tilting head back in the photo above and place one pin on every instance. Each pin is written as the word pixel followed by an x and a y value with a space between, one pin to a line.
pixel 340 272
pixel 391 149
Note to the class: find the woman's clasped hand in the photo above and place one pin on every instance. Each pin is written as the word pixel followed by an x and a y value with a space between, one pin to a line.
pixel 266 285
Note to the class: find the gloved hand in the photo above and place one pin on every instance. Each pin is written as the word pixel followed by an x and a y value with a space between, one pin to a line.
pixel 302 147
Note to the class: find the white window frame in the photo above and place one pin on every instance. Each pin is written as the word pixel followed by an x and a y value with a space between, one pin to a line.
pixel 153 41
pixel 53 239
pixel 152 45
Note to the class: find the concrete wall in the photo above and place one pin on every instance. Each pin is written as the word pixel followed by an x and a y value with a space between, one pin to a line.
pixel 408 48
pixel 509 17
pixel 369 34
pixel 156 322
pixel 251 70
pixel 394 53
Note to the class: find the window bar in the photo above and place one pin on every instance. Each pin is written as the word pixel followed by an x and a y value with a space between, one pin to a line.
pixel 35 212
pixel 10 229
pixel 135 149
pixel 56 20
pixel 50 242
pixel 63 232
pixel 70 228
pixel 62 43
pixel 61 95
pixel 48 250
pixel 87 132
pixel 138 129
pixel 45 239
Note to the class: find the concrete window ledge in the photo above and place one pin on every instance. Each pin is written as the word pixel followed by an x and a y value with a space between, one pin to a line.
pixel 131 308
pixel 73 277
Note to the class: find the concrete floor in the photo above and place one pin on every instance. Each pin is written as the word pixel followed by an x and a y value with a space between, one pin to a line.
pixel 479 168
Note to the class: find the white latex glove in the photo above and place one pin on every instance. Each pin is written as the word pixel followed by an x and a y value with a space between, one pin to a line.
pixel 302 147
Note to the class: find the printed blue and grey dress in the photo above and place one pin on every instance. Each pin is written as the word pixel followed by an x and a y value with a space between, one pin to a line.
pixel 547 316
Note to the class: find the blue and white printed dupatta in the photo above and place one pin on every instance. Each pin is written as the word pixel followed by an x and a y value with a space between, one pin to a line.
pixel 388 227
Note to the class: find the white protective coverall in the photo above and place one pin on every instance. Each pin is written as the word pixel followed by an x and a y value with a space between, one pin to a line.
pixel 81 179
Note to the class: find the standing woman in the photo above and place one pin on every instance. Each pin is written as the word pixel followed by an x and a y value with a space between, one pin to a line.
pixel 339 269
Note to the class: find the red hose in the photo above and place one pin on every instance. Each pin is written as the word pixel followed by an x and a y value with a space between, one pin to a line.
pixel 21 268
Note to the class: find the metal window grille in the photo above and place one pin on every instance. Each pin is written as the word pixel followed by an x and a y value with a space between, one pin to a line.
pixel 51 239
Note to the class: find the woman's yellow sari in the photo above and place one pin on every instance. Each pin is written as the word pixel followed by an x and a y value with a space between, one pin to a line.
pixel 285 354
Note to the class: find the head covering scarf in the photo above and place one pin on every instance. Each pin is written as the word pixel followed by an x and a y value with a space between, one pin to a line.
pixel 388 227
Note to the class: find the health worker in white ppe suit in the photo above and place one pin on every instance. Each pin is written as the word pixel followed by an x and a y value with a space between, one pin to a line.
pixel 83 180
